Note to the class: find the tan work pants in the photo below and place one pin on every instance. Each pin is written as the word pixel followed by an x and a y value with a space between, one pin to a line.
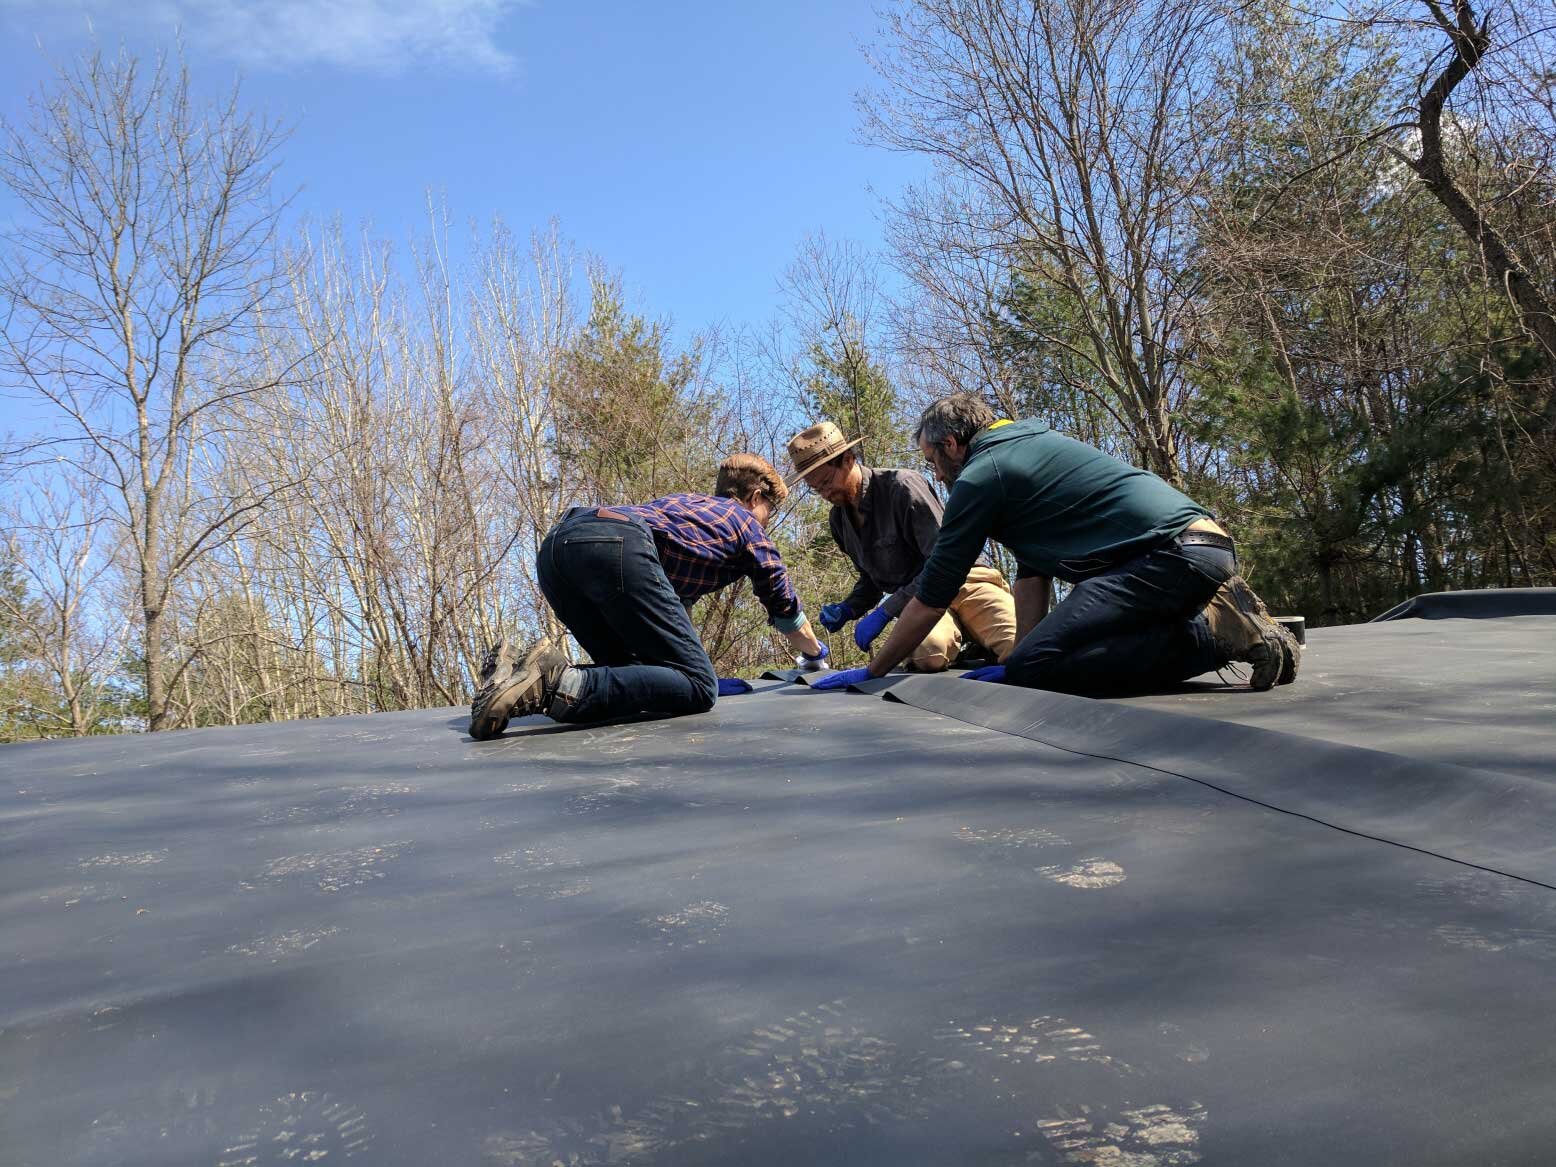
pixel 983 611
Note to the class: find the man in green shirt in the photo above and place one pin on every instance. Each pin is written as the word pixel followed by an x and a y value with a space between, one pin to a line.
pixel 1144 561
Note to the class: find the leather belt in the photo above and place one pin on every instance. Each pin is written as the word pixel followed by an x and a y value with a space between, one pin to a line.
pixel 1207 539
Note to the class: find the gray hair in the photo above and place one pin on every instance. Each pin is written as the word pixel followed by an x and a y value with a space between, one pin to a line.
pixel 958 416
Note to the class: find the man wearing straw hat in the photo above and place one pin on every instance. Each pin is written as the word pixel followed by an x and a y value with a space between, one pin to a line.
pixel 886 522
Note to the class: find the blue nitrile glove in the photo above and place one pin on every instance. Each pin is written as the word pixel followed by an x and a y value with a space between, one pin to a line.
pixel 870 627
pixel 841 680
pixel 733 686
pixel 810 664
pixel 986 673
pixel 834 616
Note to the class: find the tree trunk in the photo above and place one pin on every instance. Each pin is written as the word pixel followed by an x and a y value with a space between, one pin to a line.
pixel 1470 42
pixel 157 713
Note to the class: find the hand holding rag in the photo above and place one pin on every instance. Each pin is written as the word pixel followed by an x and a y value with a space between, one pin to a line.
pixel 811 664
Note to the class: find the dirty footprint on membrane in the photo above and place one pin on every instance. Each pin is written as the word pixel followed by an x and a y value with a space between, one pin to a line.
pixel 1088 873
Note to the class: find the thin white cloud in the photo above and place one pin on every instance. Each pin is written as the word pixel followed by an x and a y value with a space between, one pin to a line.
pixel 380 36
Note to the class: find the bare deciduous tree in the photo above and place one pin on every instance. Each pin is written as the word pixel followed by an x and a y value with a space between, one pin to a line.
pixel 837 360
pixel 942 325
pixel 58 534
pixel 142 264
pixel 1470 39
pixel 1064 134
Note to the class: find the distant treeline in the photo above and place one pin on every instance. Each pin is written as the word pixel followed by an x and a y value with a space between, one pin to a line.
pixel 1301 265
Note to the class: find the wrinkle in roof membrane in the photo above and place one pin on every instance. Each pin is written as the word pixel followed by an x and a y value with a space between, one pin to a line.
pixel 1480 604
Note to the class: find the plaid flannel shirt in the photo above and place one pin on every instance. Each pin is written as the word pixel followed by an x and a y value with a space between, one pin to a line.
pixel 706 543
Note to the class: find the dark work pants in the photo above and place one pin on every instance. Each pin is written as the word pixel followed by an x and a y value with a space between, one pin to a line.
pixel 1132 629
pixel 603 579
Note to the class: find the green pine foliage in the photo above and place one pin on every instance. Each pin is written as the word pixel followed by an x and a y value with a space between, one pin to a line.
pixel 631 410
pixel 843 383
pixel 1368 427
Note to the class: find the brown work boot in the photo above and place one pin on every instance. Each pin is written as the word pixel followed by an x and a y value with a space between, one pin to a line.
pixel 1290 648
pixel 1243 631
pixel 513 685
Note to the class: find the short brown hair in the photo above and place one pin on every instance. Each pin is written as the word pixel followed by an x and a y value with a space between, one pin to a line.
pixel 742 475
pixel 958 416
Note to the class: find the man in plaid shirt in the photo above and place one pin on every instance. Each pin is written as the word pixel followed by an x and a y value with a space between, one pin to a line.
pixel 623 580
pixel 706 543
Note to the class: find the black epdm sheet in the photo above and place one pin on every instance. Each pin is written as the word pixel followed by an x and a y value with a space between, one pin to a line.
pixel 806 928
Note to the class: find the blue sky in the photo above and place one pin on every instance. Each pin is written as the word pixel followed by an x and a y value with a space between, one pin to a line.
pixel 692 144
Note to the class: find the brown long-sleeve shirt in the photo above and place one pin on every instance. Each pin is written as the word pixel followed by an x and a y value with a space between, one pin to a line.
pixel 898 521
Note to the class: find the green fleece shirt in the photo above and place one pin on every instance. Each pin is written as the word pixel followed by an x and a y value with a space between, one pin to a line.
pixel 1063 509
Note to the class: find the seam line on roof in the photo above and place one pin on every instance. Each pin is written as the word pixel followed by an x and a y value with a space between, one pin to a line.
pixel 1024 736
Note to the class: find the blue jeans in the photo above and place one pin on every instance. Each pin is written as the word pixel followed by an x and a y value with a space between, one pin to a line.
pixel 603 579
pixel 1134 628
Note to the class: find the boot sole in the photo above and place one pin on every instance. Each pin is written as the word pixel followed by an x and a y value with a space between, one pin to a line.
pixel 494 705
pixel 1265 675
pixel 1291 659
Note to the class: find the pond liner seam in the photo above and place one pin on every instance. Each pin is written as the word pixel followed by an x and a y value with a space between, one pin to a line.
pixel 1020 713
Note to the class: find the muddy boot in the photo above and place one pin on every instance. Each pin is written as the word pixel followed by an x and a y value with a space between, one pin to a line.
pixel 514 685
pixel 1243 631
pixel 1290 648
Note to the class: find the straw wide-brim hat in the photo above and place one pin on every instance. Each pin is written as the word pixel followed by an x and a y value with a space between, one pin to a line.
pixel 815 446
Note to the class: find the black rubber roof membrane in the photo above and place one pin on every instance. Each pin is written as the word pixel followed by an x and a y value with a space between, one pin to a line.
pixel 963 925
